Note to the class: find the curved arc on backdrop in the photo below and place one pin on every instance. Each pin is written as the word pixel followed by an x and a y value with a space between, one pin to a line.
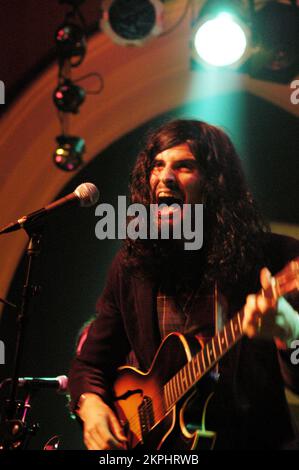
pixel 140 84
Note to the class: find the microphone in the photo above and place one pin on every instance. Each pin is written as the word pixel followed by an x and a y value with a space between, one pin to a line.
pixel 87 194
pixel 58 383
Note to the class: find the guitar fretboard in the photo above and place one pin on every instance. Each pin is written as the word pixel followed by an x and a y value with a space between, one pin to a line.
pixel 203 361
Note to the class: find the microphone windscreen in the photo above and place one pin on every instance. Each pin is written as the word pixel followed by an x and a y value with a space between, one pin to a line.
pixel 63 383
pixel 88 194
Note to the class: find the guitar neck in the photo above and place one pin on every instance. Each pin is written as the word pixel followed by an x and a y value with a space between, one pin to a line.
pixel 204 360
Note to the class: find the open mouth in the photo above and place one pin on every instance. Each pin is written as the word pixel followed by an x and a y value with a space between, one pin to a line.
pixel 169 200
pixel 169 206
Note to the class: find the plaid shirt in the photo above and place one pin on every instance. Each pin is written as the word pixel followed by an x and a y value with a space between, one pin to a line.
pixel 191 312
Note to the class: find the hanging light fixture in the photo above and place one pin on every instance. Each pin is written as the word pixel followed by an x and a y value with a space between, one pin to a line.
pixel 68 96
pixel 131 22
pixel 276 39
pixel 69 151
pixel 70 43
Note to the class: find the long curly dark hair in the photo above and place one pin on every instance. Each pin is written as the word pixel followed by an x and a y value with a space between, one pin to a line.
pixel 233 227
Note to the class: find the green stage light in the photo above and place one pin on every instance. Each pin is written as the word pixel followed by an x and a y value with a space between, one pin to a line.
pixel 221 40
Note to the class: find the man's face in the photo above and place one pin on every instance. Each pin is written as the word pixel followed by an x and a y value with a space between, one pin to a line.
pixel 175 178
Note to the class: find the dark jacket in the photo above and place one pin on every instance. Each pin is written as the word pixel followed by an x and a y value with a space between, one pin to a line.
pixel 254 373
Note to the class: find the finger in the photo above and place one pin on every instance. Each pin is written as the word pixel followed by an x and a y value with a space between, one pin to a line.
pixel 265 278
pixel 91 443
pixel 103 441
pixel 109 440
pixel 253 327
pixel 250 330
pixel 264 305
pixel 251 303
pixel 94 433
pixel 251 316
pixel 251 310
pixel 117 429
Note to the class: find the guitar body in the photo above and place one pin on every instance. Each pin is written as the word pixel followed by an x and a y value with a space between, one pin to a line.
pixel 141 406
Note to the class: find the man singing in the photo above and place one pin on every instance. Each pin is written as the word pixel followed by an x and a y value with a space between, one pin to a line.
pixel 156 286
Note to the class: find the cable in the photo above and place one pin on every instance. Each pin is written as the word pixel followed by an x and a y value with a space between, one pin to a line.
pixel 180 20
pixel 9 304
pixel 92 74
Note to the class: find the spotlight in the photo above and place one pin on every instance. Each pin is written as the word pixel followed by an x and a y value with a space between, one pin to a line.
pixel 129 22
pixel 276 37
pixel 259 39
pixel 221 41
pixel 69 151
pixel 68 97
pixel 71 43
pixel 220 35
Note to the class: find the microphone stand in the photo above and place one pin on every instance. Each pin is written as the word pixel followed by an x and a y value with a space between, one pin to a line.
pixel 14 431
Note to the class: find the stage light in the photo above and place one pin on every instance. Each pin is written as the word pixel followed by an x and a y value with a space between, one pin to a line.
pixel 69 151
pixel 131 22
pixel 220 40
pixel 276 40
pixel 221 37
pixel 258 38
pixel 71 43
pixel 68 97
